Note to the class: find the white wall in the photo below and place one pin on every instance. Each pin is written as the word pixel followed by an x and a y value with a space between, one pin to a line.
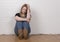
pixel 45 16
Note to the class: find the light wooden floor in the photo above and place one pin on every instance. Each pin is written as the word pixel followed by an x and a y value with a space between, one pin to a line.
pixel 33 38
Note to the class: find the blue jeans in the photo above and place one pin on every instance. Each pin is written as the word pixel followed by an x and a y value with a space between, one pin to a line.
pixel 21 25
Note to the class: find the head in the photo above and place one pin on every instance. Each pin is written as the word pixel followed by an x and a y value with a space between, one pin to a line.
pixel 24 9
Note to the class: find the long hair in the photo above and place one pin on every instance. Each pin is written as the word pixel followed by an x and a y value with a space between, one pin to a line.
pixel 25 5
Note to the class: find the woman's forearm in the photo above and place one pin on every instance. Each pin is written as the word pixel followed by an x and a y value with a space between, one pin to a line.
pixel 28 13
pixel 20 19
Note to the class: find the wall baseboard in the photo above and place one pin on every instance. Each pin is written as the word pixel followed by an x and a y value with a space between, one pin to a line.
pixel 30 34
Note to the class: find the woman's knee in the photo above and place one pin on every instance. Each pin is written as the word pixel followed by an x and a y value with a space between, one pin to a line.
pixel 18 22
pixel 19 25
pixel 25 23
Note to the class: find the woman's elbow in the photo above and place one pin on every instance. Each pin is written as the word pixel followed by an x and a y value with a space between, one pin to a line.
pixel 17 19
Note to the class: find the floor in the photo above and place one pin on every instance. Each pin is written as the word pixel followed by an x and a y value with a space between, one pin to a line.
pixel 33 38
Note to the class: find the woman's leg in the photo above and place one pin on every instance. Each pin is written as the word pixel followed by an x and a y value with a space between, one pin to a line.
pixel 18 29
pixel 26 29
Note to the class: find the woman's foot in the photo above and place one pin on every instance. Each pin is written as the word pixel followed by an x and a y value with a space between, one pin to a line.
pixel 20 34
pixel 25 34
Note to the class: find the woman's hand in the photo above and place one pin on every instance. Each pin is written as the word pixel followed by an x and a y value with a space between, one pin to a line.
pixel 28 6
pixel 28 20
pixel 28 10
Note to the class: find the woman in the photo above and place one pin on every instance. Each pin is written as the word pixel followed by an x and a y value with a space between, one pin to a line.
pixel 22 27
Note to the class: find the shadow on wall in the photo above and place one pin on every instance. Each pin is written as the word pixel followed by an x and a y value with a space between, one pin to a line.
pixel 34 22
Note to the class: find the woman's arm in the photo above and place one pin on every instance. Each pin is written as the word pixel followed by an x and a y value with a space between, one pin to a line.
pixel 28 13
pixel 20 19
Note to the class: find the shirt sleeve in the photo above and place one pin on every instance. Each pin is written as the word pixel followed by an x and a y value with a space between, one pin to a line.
pixel 17 14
